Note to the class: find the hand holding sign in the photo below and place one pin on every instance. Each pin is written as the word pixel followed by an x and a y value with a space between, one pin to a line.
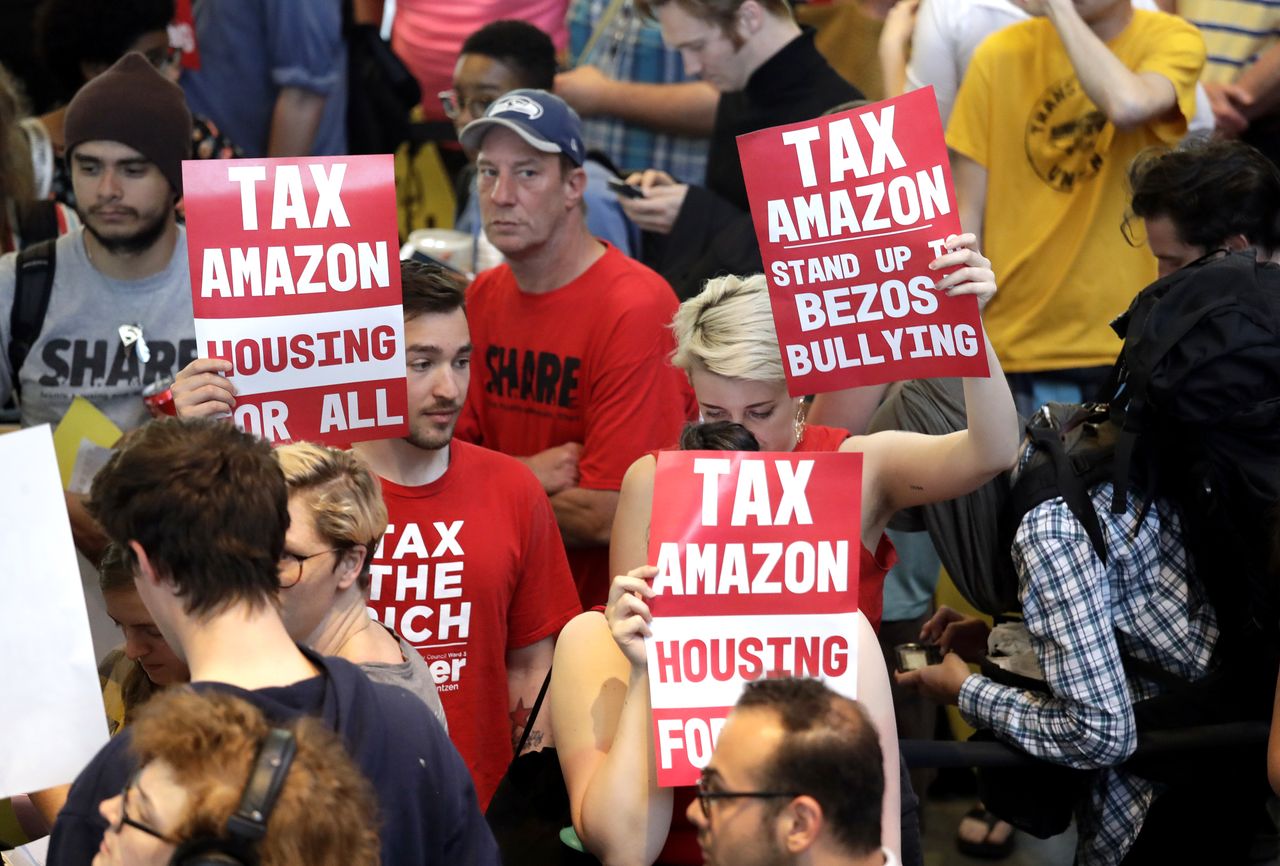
pixel 850 209
pixel 628 612
pixel 201 389
pixel 973 274
pixel 296 286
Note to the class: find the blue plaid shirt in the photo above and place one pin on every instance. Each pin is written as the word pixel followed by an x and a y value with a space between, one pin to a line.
pixel 630 49
pixel 1081 614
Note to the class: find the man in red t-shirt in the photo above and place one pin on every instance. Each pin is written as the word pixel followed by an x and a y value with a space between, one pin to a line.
pixel 471 570
pixel 572 336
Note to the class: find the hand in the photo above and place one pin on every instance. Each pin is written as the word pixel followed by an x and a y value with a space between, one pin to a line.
pixel 954 632
pixel 939 683
pixel 1229 102
pixel 663 198
pixel 628 612
pixel 201 389
pixel 556 468
pixel 973 275
pixel 898 26
pixel 586 90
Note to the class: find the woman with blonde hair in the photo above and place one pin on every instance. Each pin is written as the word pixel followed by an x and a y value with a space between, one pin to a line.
pixel 336 520
pixel 728 346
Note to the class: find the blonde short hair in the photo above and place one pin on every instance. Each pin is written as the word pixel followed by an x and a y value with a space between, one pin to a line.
pixel 727 329
pixel 345 498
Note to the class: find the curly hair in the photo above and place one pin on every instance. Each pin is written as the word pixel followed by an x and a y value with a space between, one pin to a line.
pixel 326 814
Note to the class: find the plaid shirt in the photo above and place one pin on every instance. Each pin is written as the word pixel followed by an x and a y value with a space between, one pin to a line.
pixel 1081 614
pixel 631 49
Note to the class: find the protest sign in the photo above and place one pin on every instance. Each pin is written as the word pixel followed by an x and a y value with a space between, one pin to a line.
pixel 757 557
pixel 296 282
pixel 850 209
pixel 53 722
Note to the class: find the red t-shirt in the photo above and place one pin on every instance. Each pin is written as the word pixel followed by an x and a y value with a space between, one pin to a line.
pixel 472 566
pixel 872 566
pixel 589 363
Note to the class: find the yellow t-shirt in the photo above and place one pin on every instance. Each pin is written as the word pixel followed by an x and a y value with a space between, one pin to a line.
pixel 1056 190
pixel 1234 34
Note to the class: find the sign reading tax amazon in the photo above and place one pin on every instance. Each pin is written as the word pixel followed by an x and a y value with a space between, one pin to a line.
pixel 850 209
pixel 296 282
pixel 758 559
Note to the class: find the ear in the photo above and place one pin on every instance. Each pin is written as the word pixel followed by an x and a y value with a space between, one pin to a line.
pixel 749 19
pixel 576 184
pixel 1237 242
pixel 146 571
pixel 350 565
pixel 800 824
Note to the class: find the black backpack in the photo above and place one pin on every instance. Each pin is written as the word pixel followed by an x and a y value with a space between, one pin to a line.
pixel 33 281
pixel 1193 414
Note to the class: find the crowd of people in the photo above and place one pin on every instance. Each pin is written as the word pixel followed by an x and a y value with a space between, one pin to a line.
pixel 333 655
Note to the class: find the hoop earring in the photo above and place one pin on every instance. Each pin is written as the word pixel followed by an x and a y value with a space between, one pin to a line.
pixel 800 422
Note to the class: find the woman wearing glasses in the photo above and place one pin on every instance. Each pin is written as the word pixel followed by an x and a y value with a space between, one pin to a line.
pixel 196 752
pixel 727 344
pixel 336 518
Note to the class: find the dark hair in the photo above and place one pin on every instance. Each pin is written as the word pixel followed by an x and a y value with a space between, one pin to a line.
pixel 70 33
pixel 1210 189
pixel 206 502
pixel 430 289
pixel 831 753
pixel 526 49
pixel 717 436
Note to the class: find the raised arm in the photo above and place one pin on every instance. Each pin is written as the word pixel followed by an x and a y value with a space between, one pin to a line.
pixel 905 469
pixel 1127 98
pixel 683 108
pixel 601 719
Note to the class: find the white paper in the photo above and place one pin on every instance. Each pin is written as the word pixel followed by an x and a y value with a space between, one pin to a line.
pixel 90 457
pixel 32 854
pixel 54 720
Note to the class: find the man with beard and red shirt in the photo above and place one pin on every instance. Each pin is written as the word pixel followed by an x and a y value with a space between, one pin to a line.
pixel 471 570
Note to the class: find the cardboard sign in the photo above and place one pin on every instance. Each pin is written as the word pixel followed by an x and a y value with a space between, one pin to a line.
pixel 850 209
pixel 296 281
pixel 53 722
pixel 757 557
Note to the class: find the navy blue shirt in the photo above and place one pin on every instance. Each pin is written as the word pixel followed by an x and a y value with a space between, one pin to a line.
pixel 425 797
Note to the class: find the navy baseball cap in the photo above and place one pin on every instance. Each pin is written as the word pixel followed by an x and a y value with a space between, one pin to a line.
pixel 542 119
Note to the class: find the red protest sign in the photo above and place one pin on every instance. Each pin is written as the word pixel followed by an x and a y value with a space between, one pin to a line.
pixel 296 281
pixel 850 209
pixel 757 557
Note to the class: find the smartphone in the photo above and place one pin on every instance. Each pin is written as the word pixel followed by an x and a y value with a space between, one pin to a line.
pixel 622 188
pixel 913 656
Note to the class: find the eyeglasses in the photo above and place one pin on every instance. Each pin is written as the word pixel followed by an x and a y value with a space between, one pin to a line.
pixel 289 569
pixel 453 104
pixel 164 58
pixel 706 796
pixel 124 813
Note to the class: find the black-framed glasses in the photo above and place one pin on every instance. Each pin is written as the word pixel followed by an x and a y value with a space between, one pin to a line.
pixel 707 796
pixel 124 812
pixel 290 568
pixel 453 104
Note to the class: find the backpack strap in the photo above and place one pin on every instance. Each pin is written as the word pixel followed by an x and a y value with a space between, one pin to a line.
pixel 37 221
pixel 33 285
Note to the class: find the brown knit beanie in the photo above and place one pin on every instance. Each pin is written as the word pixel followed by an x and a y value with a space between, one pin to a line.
pixel 135 105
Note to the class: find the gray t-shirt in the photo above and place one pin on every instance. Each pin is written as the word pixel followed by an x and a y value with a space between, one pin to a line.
pixel 412 675
pixel 80 351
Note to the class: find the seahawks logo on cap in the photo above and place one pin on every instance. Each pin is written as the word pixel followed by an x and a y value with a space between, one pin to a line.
pixel 519 104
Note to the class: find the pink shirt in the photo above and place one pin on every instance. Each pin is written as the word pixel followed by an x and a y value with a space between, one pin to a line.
pixel 428 34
